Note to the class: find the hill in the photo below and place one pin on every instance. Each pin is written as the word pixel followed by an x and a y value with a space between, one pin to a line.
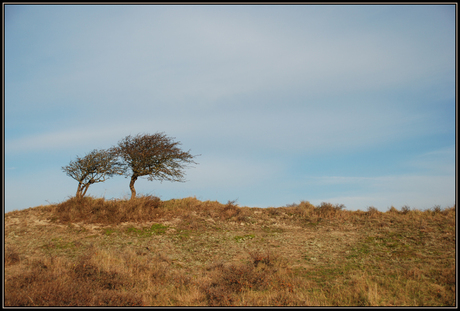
pixel 186 252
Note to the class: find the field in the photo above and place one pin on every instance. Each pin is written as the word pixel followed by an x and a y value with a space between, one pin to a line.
pixel 186 252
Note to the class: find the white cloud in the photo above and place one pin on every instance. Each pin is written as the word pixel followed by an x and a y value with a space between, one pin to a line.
pixel 51 141
pixel 238 84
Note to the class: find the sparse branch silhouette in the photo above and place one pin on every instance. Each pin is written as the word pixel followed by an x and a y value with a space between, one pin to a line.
pixel 156 156
pixel 97 166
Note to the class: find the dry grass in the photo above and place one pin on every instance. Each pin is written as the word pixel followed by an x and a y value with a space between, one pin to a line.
pixel 148 252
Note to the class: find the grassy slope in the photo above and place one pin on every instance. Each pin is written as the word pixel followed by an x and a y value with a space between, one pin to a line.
pixel 192 253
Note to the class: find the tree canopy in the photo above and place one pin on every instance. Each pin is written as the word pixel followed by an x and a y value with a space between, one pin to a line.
pixel 96 166
pixel 156 156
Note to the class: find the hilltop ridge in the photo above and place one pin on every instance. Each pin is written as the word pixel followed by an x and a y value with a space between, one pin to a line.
pixel 187 252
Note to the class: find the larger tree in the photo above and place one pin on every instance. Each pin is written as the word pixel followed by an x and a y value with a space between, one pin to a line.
pixel 155 156
pixel 96 166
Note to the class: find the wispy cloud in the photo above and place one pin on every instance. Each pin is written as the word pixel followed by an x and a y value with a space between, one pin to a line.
pixel 441 161
pixel 60 140
pixel 257 90
pixel 418 191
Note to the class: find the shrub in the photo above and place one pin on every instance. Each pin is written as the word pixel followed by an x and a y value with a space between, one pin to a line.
pixel 259 257
pixel 436 209
pixel 230 210
pixel 405 209
pixel 304 209
pixel 47 284
pixel 237 277
pixel 328 209
pixel 449 210
pixel 285 298
pixel 272 211
pixel 229 280
pixel 371 211
pixel 217 295
pixel 91 210
pixel 306 205
pixel 11 256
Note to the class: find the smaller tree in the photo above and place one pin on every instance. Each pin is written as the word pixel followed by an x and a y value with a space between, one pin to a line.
pixel 96 166
pixel 155 156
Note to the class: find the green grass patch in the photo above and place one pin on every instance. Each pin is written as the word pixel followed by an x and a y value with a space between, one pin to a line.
pixel 272 229
pixel 155 229
pixel 182 235
pixel 109 231
pixel 58 244
pixel 240 239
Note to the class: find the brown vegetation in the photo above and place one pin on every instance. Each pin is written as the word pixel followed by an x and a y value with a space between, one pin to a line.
pixel 185 252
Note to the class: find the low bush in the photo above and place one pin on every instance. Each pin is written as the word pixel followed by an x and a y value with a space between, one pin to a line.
pixel 232 279
pixel 405 209
pixel 261 257
pixel 47 284
pixel 91 210
pixel 328 210
pixel 304 209
pixel 372 211
pixel 11 256
pixel 230 210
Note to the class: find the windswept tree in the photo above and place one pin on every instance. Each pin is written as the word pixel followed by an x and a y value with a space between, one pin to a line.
pixel 97 166
pixel 156 156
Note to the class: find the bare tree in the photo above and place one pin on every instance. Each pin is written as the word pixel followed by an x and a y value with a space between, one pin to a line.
pixel 96 166
pixel 156 156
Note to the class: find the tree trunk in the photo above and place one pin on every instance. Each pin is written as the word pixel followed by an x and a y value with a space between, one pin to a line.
pixel 131 186
pixel 86 189
pixel 78 194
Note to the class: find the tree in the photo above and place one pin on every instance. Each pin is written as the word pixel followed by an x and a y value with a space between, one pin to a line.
pixel 156 156
pixel 96 166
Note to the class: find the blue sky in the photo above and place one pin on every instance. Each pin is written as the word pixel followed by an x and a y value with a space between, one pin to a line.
pixel 348 104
